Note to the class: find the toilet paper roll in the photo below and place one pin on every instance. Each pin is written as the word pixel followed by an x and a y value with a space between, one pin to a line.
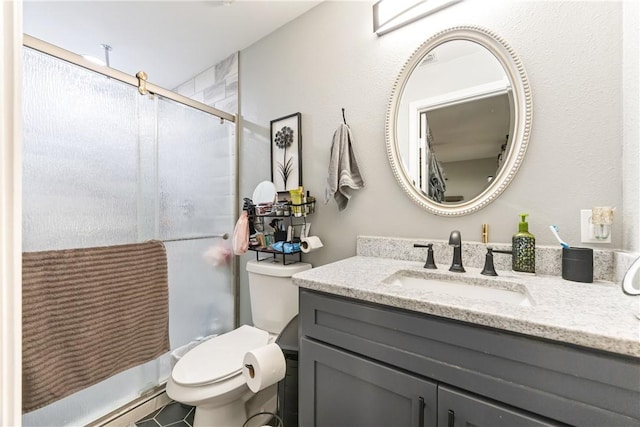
pixel 310 243
pixel 263 367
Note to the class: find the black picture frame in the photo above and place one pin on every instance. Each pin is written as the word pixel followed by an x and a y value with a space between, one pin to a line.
pixel 286 152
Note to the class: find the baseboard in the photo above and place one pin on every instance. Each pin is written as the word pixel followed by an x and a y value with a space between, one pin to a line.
pixel 128 414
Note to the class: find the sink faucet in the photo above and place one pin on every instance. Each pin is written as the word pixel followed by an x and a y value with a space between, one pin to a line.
pixel 455 240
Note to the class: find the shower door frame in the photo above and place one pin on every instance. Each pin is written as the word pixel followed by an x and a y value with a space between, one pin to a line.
pixel 65 55
pixel 60 53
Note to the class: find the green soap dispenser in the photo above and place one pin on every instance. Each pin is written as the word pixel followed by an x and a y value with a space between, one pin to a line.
pixel 524 248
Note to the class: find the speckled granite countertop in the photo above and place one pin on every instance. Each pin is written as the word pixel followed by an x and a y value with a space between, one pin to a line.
pixel 596 315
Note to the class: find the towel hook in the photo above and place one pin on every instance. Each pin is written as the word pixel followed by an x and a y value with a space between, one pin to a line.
pixel 344 119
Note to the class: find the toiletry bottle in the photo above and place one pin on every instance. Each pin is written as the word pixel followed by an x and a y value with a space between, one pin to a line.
pixel 296 201
pixel 307 203
pixel 524 248
pixel 311 203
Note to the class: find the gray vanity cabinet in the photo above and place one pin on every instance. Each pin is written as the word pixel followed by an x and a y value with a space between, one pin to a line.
pixel 352 391
pixel 364 364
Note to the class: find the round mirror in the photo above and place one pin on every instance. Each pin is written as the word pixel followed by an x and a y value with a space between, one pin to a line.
pixel 459 120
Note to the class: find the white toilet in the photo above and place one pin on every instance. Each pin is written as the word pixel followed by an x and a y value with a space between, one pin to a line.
pixel 209 376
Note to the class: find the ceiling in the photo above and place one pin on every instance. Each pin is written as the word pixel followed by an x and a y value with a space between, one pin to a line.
pixel 471 130
pixel 171 41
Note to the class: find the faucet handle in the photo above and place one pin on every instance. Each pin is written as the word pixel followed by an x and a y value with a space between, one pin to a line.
pixel 430 263
pixel 489 269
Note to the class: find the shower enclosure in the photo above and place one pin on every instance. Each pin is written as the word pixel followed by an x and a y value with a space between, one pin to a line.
pixel 104 165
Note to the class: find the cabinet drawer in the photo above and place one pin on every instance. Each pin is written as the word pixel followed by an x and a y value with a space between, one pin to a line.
pixel 573 385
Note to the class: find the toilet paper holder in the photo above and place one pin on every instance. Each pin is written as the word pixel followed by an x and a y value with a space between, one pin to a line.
pixel 310 244
pixel 263 367
pixel 252 371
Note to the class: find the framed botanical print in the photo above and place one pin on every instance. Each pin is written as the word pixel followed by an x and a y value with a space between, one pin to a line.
pixel 286 152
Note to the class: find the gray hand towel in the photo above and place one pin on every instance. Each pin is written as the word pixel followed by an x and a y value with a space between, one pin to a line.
pixel 344 174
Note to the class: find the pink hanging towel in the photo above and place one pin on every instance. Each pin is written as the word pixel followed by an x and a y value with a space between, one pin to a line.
pixel 241 234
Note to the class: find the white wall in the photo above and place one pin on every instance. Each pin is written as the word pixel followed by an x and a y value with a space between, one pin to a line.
pixel 631 128
pixel 329 58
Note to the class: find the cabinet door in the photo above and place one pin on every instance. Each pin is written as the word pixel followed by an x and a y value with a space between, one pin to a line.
pixel 340 389
pixel 458 409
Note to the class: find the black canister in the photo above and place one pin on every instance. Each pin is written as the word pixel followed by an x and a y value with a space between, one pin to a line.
pixel 280 236
pixel 577 264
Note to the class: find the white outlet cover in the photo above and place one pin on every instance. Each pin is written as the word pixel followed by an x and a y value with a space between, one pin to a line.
pixel 586 229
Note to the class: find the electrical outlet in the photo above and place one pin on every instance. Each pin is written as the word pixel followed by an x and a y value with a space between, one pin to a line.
pixel 586 229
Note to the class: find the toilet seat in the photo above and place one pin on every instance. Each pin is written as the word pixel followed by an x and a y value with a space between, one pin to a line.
pixel 219 358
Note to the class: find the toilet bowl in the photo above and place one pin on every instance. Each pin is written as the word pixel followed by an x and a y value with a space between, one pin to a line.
pixel 209 376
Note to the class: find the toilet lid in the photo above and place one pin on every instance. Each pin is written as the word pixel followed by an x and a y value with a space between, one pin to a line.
pixel 218 358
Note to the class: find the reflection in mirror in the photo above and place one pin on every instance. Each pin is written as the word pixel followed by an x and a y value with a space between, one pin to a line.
pixel 458 121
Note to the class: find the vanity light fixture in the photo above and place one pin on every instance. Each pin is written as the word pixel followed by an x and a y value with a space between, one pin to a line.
pixel 389 15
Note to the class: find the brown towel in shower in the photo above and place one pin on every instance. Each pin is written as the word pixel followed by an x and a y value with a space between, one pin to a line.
pixel 88 314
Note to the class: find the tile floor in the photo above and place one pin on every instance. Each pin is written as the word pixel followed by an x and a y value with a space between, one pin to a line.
pixel 173 414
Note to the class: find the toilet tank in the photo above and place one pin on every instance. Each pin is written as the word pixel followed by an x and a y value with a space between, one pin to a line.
pixel 274 297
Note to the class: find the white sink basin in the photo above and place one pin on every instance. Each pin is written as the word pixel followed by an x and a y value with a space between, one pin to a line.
pixel 631 281
pixel 472 287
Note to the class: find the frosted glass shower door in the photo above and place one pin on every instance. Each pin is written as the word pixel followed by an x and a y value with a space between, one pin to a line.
pixel 81 145
pixel 80 157
pixel 103 165
pixel 196 170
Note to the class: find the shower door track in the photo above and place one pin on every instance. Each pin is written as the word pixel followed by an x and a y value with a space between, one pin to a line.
pixel 65 55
